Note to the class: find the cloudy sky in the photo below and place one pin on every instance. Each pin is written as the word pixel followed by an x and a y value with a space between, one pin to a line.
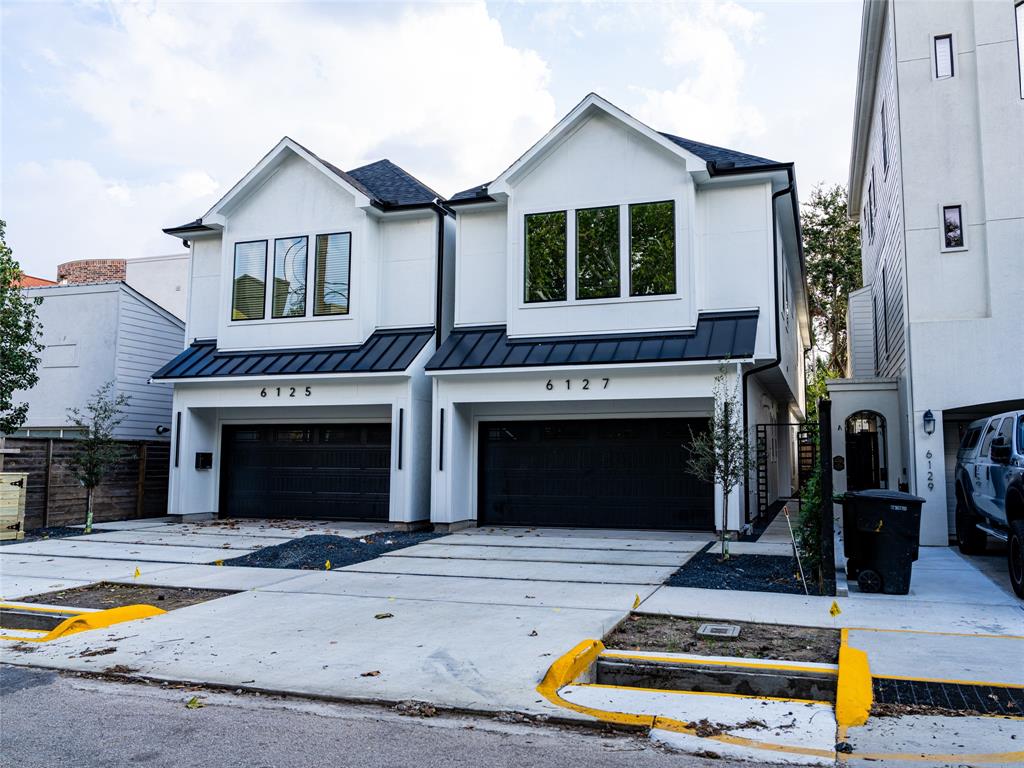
pixel 123 118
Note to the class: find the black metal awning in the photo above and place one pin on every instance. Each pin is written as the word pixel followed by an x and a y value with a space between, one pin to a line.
pixel 384 352
pixel 718 336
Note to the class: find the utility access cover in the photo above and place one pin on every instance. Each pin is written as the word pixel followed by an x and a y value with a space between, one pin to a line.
pixel 718 630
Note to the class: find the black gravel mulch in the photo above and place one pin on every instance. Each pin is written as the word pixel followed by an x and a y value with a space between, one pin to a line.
pixel 313 552
pixel 53 532
pixel 755 573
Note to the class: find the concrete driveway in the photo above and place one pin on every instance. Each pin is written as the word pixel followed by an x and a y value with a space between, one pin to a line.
pixel 475 618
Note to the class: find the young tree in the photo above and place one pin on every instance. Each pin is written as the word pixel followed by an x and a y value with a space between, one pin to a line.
pixel 722 455
pixel 97 451
pixel 832 253
pixel 19 340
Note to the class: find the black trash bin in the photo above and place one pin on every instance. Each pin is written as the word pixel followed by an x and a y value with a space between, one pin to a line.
pixel 881 529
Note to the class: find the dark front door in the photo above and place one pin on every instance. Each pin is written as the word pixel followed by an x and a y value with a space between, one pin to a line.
pixel 609 473
pixel 324 471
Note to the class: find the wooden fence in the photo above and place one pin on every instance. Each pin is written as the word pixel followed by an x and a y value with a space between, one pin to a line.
pixel 135 487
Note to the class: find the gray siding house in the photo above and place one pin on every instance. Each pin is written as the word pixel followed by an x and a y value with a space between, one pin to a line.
pixel 97 333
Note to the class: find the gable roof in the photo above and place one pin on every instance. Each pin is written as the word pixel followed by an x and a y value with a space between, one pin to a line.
pixel 393 185
pixel 709 154
pixel 28 281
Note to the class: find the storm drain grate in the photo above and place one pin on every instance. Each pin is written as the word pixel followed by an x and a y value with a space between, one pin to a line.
pixel 980 699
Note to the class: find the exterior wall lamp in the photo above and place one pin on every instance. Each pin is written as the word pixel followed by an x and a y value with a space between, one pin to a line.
pixel 929 422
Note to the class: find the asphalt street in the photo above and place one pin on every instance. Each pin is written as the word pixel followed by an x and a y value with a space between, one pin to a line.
pixel 50 719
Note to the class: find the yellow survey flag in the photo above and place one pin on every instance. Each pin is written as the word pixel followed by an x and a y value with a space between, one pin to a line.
pixel 834 610
pixel 636 602
pixel 218 562
pixel 137 572
pixel 327 565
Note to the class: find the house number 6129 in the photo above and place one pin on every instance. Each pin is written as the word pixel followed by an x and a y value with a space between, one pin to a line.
pixel 285 392
pixel 583 384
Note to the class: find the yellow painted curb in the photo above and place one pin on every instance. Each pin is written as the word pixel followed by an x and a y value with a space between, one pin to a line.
pixel 92 620
pixel 853 688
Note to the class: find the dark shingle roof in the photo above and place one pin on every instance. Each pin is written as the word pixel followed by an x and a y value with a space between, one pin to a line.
pixel 392 185
pixel 383 352
pixel 480 190
pixel 719 335
pixel 719 155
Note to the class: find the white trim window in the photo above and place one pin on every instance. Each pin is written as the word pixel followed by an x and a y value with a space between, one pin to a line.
pixel 954 233
pixel 943 55
pixel 249 281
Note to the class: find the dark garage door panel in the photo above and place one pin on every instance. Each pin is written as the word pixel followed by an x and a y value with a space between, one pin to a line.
pixel 609 473
pixel 323 471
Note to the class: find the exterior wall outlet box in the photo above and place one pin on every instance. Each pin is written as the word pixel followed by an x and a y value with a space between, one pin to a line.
pixel 204 460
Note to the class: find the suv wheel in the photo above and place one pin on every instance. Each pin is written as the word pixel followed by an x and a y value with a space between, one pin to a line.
pixel 1016 557
pixel 970 540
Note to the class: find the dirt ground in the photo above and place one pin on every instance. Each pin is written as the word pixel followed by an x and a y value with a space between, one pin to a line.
pixel 107 595
pixel 679 635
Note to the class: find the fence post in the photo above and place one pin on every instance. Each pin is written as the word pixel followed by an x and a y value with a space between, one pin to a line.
pixel 140 485
pixel 828 551
pixel 46 483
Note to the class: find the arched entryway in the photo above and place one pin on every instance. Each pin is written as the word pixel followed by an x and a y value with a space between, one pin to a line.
pixel 866 453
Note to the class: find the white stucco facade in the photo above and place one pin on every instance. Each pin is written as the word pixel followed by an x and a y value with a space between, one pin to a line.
pixel 736 240
pixel 951 308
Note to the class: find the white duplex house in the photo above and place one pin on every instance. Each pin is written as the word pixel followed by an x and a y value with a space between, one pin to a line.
pixel 313 306
pixel 602 282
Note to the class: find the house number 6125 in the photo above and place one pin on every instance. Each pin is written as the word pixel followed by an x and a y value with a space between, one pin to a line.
pixel 583 384
pixel 285 392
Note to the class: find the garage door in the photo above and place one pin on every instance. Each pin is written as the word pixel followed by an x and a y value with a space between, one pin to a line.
pixel 612 473
pixel 325 471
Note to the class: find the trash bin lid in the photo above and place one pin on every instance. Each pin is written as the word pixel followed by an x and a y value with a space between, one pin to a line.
pixel 884 494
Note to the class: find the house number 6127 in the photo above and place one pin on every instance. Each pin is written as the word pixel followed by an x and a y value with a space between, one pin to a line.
pixel 583 384
pixel 285 392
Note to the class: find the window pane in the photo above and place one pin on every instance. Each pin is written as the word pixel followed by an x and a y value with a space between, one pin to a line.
pixel 652 249
pixel 333 260
pixel 944 56
pixel 545 256
pixel 597 253
pixel 290 277
pixel 952 225
pixel 250 283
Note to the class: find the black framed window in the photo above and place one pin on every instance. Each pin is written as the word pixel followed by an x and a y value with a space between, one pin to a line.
pixel 652 248
pixel 331 281
pixel 289 292
pixel 874 316
pixel 885 141
pixel 597 252
pixel 885 312
pixel 952 226
pixel 546 256
pixel 1018 10
pixel 943 56
pixel 249 284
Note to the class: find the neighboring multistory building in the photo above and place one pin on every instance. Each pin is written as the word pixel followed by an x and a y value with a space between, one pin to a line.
pixel 163 279
pixel 937 184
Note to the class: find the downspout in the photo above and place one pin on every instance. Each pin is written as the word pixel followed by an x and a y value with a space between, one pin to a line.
pixel 778 325
pixel 439 288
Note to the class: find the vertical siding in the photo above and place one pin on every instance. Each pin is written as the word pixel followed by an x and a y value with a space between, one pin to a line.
pixel 146 339
pixel 860 330
pixel 884 250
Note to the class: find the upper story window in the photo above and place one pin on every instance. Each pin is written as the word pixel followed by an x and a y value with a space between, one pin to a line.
pixel 249 282
pixel 597 252
pixel 652 249
pixel 1018 9
pixel 943 51
pixel 952 227
pixel 332 274
pixel 885 312
pixel 545 256
pixel 874 317
pixel 289 291
pixel 885 141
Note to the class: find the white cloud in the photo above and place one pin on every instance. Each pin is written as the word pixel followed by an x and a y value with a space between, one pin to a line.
pixel 708 103
pixel 190 96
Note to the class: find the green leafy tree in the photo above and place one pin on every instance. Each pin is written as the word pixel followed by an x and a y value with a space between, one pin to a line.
pixel 545 256
pixel 652 257
pixel 597 253
pixel 20 330
pixel 832 254
pixel 722 454
pixel 97 451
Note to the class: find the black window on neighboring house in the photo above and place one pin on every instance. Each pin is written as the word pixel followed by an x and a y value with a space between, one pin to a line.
pixel 249 283
pixel 545 257
pixel 652 249
pixel 597 252
pixel 289 291
pixel 331 279
pixel 952 226
pixel 943 57
pixel 871 206
pixel 885 141
pixel 885 313
pixel 874 316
